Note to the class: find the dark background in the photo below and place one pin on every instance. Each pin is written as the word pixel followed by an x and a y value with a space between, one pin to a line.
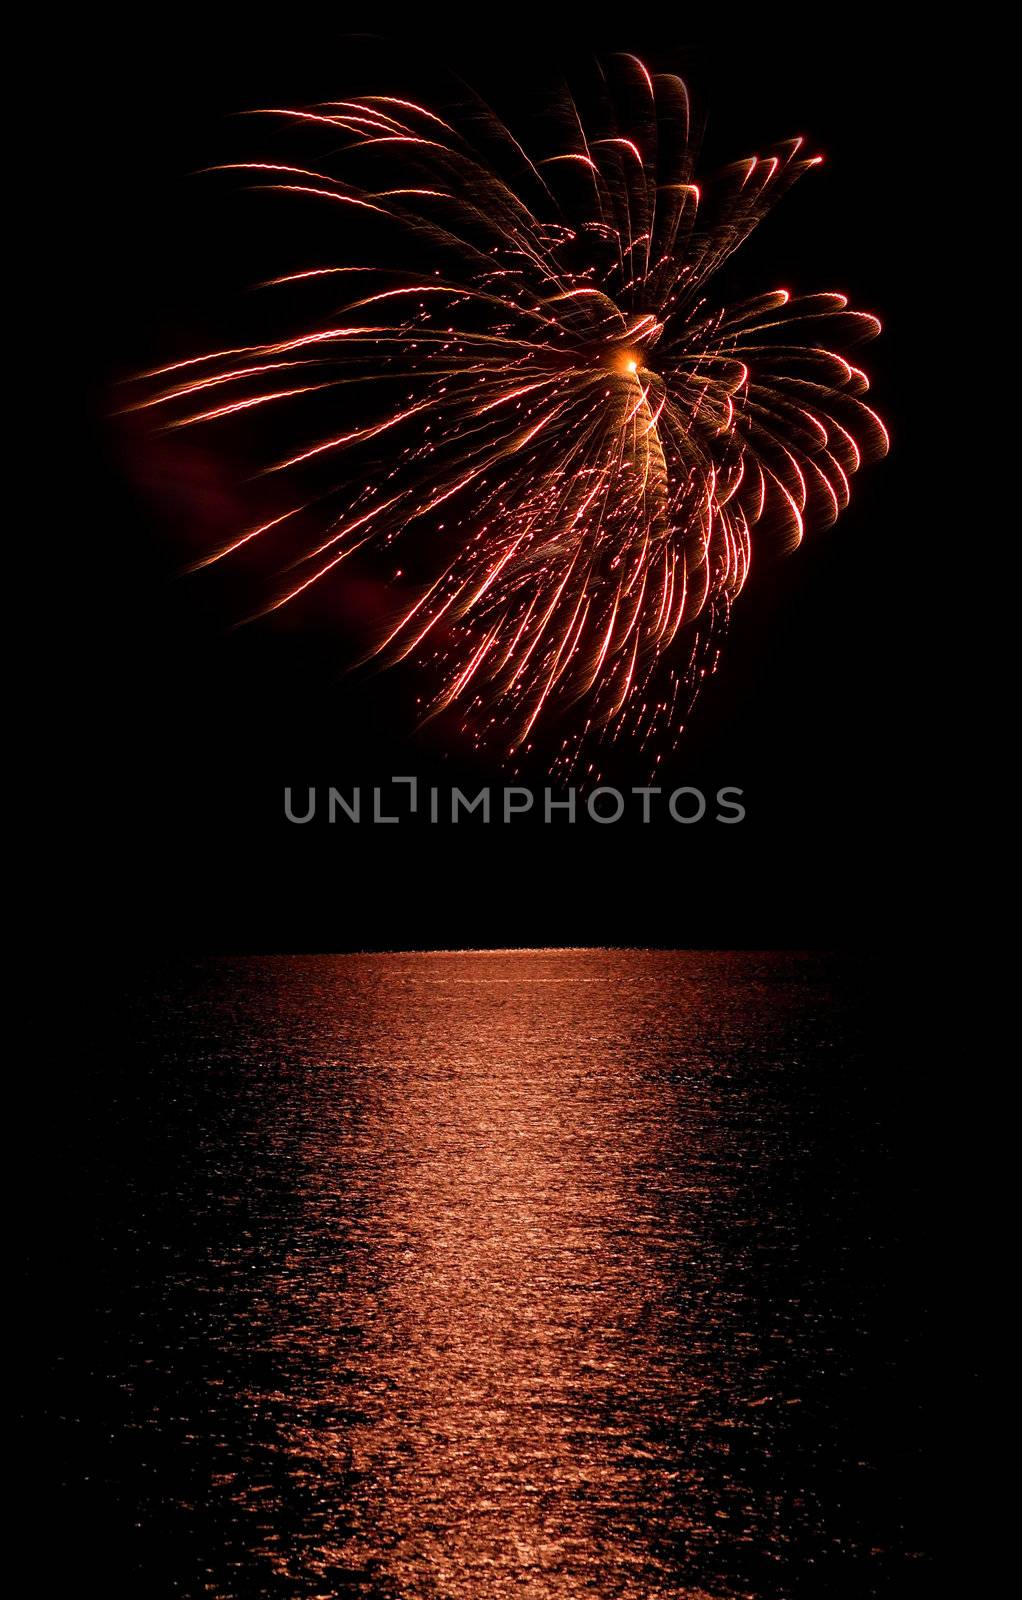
pixel 189 728
pixel 172 733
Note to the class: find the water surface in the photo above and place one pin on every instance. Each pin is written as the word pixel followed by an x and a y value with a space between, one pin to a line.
pixel 500 1274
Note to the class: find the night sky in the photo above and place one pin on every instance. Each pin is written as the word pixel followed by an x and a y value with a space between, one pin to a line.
pixel 191 727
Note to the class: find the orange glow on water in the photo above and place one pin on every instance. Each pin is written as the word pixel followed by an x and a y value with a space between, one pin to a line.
pixel 499 1275
pixel 506 1303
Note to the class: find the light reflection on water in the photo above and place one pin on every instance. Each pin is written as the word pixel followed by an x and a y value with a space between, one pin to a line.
pixel 514 1273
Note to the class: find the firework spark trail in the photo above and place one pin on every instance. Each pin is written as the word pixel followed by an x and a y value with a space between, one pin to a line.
pixel 600 437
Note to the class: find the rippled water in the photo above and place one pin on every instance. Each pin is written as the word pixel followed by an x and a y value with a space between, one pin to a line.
pixel 474 1276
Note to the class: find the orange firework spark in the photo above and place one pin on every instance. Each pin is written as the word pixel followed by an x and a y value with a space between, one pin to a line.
pixel 578 441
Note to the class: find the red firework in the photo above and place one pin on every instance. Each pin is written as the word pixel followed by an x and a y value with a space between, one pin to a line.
pixel 559 430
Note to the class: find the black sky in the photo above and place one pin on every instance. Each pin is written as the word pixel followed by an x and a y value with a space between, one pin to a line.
pixel 190 729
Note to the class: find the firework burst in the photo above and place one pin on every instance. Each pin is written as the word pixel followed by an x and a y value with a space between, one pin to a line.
pixel 567 444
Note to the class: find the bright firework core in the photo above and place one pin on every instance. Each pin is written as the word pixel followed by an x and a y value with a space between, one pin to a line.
pixel 558 539
pixel 627 361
